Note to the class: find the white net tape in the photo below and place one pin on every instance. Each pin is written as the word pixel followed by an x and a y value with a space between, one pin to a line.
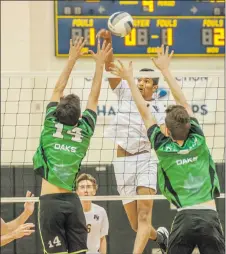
pixel 94 198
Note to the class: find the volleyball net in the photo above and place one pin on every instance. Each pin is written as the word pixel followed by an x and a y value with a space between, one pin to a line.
pixel 24 100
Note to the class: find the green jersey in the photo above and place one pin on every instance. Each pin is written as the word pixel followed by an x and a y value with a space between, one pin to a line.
pixel 186 174
pixel 62 148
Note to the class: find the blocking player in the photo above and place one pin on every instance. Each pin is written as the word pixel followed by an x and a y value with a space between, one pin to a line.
pixel 135 166
pixel 17 228
pixel 63 145
pixel 96 216
pixel 186 171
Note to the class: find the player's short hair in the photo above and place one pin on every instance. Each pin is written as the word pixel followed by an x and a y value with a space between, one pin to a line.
pixel 155 80
pixel 178 122
pixel 87 177
pixel 68 110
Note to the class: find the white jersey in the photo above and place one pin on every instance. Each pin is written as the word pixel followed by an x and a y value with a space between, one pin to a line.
pixel 128 129
pixel 97 225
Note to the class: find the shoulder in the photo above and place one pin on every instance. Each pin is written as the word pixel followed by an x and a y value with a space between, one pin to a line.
pixel 157 107
pixel 122 90
pixel 99 209
pixel 90 114
pixel 156 137
pixel 51 109
pixel 195 127
pixel 88 120
pixel 122 84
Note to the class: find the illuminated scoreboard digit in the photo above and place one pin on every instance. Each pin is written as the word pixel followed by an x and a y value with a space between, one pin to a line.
pixel 84 28
pixel 172 23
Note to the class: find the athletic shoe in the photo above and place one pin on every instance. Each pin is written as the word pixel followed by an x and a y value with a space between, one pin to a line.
pixel 162 239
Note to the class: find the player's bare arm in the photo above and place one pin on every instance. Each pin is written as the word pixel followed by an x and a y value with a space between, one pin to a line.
pixel 21 219
pixel 21 231
pixel 106 35
pixel 75 53
pixel 100 57
pixel 103 245
pixel 162 62
pixel 127 74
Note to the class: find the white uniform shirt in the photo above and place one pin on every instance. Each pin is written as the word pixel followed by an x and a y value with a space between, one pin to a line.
pixel 128 129
pixel 97 225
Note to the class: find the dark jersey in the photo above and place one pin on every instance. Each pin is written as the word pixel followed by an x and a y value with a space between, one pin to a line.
pixel 62 148
pixel 186 174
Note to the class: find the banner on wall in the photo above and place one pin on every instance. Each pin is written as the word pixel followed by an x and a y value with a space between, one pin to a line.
pixel 204 94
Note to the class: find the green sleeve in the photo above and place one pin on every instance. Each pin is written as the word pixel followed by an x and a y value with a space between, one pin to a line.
pixel 156 137
pixel 195 127
pixel 89 118
pixel 51 109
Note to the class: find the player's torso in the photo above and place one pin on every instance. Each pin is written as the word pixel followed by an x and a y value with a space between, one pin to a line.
pixel 128 128
pixel 94 222
pixel 63 148
pixel 187 174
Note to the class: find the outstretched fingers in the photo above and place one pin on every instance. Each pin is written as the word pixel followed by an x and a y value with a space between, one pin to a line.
pixel 162 52
pixel 91 52
pixel 109 52
pixel 76 41
pixel 71 43
pixel 171 54
pixel 107 48
pixel 82 45
pixel 104 45
pixel 121 64
pixel 114 72
pixel 98 45
pixel 167 51
pixel 115 66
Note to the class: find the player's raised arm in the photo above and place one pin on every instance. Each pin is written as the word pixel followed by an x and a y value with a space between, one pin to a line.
pixel 99 57
pixel 106 35
pixel 127 74
pixel 74 54
pixel 162 62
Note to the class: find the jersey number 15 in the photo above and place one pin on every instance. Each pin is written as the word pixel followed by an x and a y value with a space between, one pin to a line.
pixel 76 133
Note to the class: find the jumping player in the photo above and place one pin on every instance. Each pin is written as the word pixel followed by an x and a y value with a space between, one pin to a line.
pixel 96 216
pixel 135 166
pixel 63 145
pixel 186 171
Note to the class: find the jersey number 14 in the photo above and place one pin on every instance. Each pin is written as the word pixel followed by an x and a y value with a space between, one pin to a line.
pixel 76 133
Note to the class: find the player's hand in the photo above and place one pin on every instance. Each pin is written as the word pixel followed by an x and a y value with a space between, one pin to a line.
pixel 102 52
pixel 23 230
pixel 122 71
pixel 163 59
pixel 104 34
pixel 29 206
pixel 75 51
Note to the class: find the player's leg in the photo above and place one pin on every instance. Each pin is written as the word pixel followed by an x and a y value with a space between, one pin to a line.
pixel 125 179
pixel 51 221
pixel 144 218
pixel 131 212
pixel 146 182
pixel 210 233
pixel 182 236
pixel 76 230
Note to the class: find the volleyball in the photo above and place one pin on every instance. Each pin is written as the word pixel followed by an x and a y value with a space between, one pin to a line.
pixel 120 23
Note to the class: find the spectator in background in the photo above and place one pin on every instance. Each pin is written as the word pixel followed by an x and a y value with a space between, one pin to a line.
pixel 96 217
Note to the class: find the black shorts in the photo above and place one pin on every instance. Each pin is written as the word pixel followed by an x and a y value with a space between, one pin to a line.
pixel 62 223
pixel 201 228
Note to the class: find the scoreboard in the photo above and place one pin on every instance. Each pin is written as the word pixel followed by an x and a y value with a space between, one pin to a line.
pixel 190 28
